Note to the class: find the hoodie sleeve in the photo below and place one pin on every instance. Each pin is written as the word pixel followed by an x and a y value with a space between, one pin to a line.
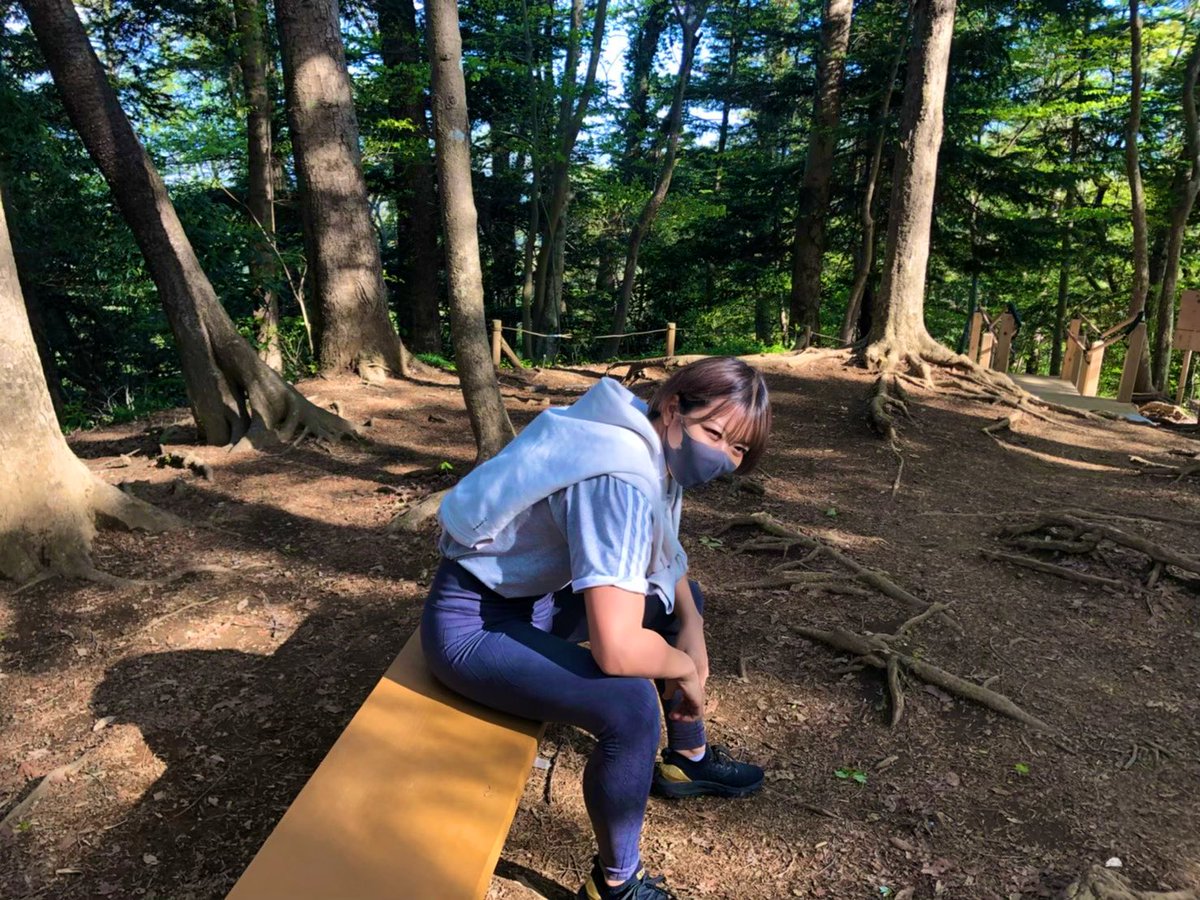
pixel 609 528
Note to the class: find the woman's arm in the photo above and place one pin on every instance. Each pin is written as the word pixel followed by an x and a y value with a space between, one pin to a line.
pixel 621 646
pixel 691 629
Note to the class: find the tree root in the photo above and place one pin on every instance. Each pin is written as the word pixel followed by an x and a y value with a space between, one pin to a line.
pixel 874 651
pixel 1100 883
pixel 912 360
pixel 183 461
pixel 1062 572
pixel 413 519
pixel 1148 467
pixel 14 816
pixel 786 538
pixel 1106 531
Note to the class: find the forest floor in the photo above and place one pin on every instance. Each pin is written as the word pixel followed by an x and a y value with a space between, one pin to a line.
pixel 189 715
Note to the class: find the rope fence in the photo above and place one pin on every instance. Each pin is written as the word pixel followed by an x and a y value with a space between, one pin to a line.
pixel 501 347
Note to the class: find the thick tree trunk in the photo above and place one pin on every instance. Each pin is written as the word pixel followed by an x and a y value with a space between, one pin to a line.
pixel 416 211
pixel 1180 212
pixel 264 269
pixel 898 324
pixel 232 392
pixel 353 329
pixel 865 260
pixel 808 245
pixel 691 17
pixel 51 500
pixel 1137 198
pixel 452 129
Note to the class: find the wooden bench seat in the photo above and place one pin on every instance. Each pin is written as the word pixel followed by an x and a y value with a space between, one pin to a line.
pixel 414 800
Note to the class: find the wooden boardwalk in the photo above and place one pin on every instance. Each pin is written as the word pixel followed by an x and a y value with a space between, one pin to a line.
pixel 1056 390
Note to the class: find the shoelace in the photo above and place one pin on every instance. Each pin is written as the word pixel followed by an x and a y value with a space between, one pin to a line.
pixel 722 756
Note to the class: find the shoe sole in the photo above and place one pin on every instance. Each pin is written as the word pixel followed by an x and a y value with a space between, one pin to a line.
pixel 676 790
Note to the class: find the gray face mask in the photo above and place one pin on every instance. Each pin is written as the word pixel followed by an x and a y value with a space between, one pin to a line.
pixel 693 463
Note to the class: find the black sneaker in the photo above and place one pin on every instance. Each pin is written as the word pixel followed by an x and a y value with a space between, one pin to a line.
pixel 717 772
pixel 637 887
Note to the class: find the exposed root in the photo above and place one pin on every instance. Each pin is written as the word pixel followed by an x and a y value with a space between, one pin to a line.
pixel 785 538
pixel 1029 562
pixel 413 519
pixel 184 461
pixel 912 359
pixel 1106 531
pixel 15 815
pixel 877 653
pixel 894 689
pixel 1100 883
pixel 1147 467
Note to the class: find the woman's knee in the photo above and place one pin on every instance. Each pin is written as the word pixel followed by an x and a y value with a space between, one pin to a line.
pixel 633 711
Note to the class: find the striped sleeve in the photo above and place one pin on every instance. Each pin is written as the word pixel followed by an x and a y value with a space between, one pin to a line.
pixel 609 528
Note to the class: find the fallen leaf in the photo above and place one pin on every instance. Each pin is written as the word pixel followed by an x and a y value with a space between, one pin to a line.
pixel 101 724
pixel 150 859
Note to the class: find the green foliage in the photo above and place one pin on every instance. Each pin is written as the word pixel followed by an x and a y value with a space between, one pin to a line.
pixel 1031 185
pixel 849 773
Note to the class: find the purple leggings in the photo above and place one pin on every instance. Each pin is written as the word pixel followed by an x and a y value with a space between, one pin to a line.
pixel 522 656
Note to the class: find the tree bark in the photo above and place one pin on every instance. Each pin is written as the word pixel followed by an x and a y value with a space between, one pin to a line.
pixel 264 271
pixel 808 245
pixel 451 126
pixel 416 203
pixel 691 17
pixel 898 324
pixel 571 114
pixel 233 394
pixel 1180 212
pixel 51 500
pixel 1137 198
pixel 353 330
pixel 865 259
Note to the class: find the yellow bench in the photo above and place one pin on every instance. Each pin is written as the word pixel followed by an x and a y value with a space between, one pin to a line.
pixel 414 800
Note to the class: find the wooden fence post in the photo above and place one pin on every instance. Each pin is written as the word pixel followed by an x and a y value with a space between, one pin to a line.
pixel 1090 364
pixel 497 337
pixel 1006 330
pixel 670 339
pixel 973 342
pixel 1183 377
pixel 1133 356
pixel 1070 366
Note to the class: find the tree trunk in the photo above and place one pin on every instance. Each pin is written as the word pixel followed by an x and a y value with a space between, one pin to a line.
pixel 640 61
pixel 865 259
pixel 1137 197
pixel 232 392
pixel 353 330
pixel 51 500
pixel 264 270
pixel 416 203
pixel 1180 212
pixel 571 114
pixel 691 17
pixel 735 48
pixel 808 246
pixel 898 324
pixel 451 127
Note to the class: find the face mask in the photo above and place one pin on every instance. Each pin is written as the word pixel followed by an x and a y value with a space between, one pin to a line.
pixel 693 463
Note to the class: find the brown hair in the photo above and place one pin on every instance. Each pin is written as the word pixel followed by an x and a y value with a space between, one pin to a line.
pixel 723 380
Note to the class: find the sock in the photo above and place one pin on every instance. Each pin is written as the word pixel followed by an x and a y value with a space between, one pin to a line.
pixel 694 758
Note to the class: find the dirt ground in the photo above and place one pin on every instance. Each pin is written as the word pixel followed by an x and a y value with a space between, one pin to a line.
pixel 190 713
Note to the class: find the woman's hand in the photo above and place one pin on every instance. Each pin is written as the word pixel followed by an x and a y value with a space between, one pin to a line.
pixel 691 642
pixel 690 705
